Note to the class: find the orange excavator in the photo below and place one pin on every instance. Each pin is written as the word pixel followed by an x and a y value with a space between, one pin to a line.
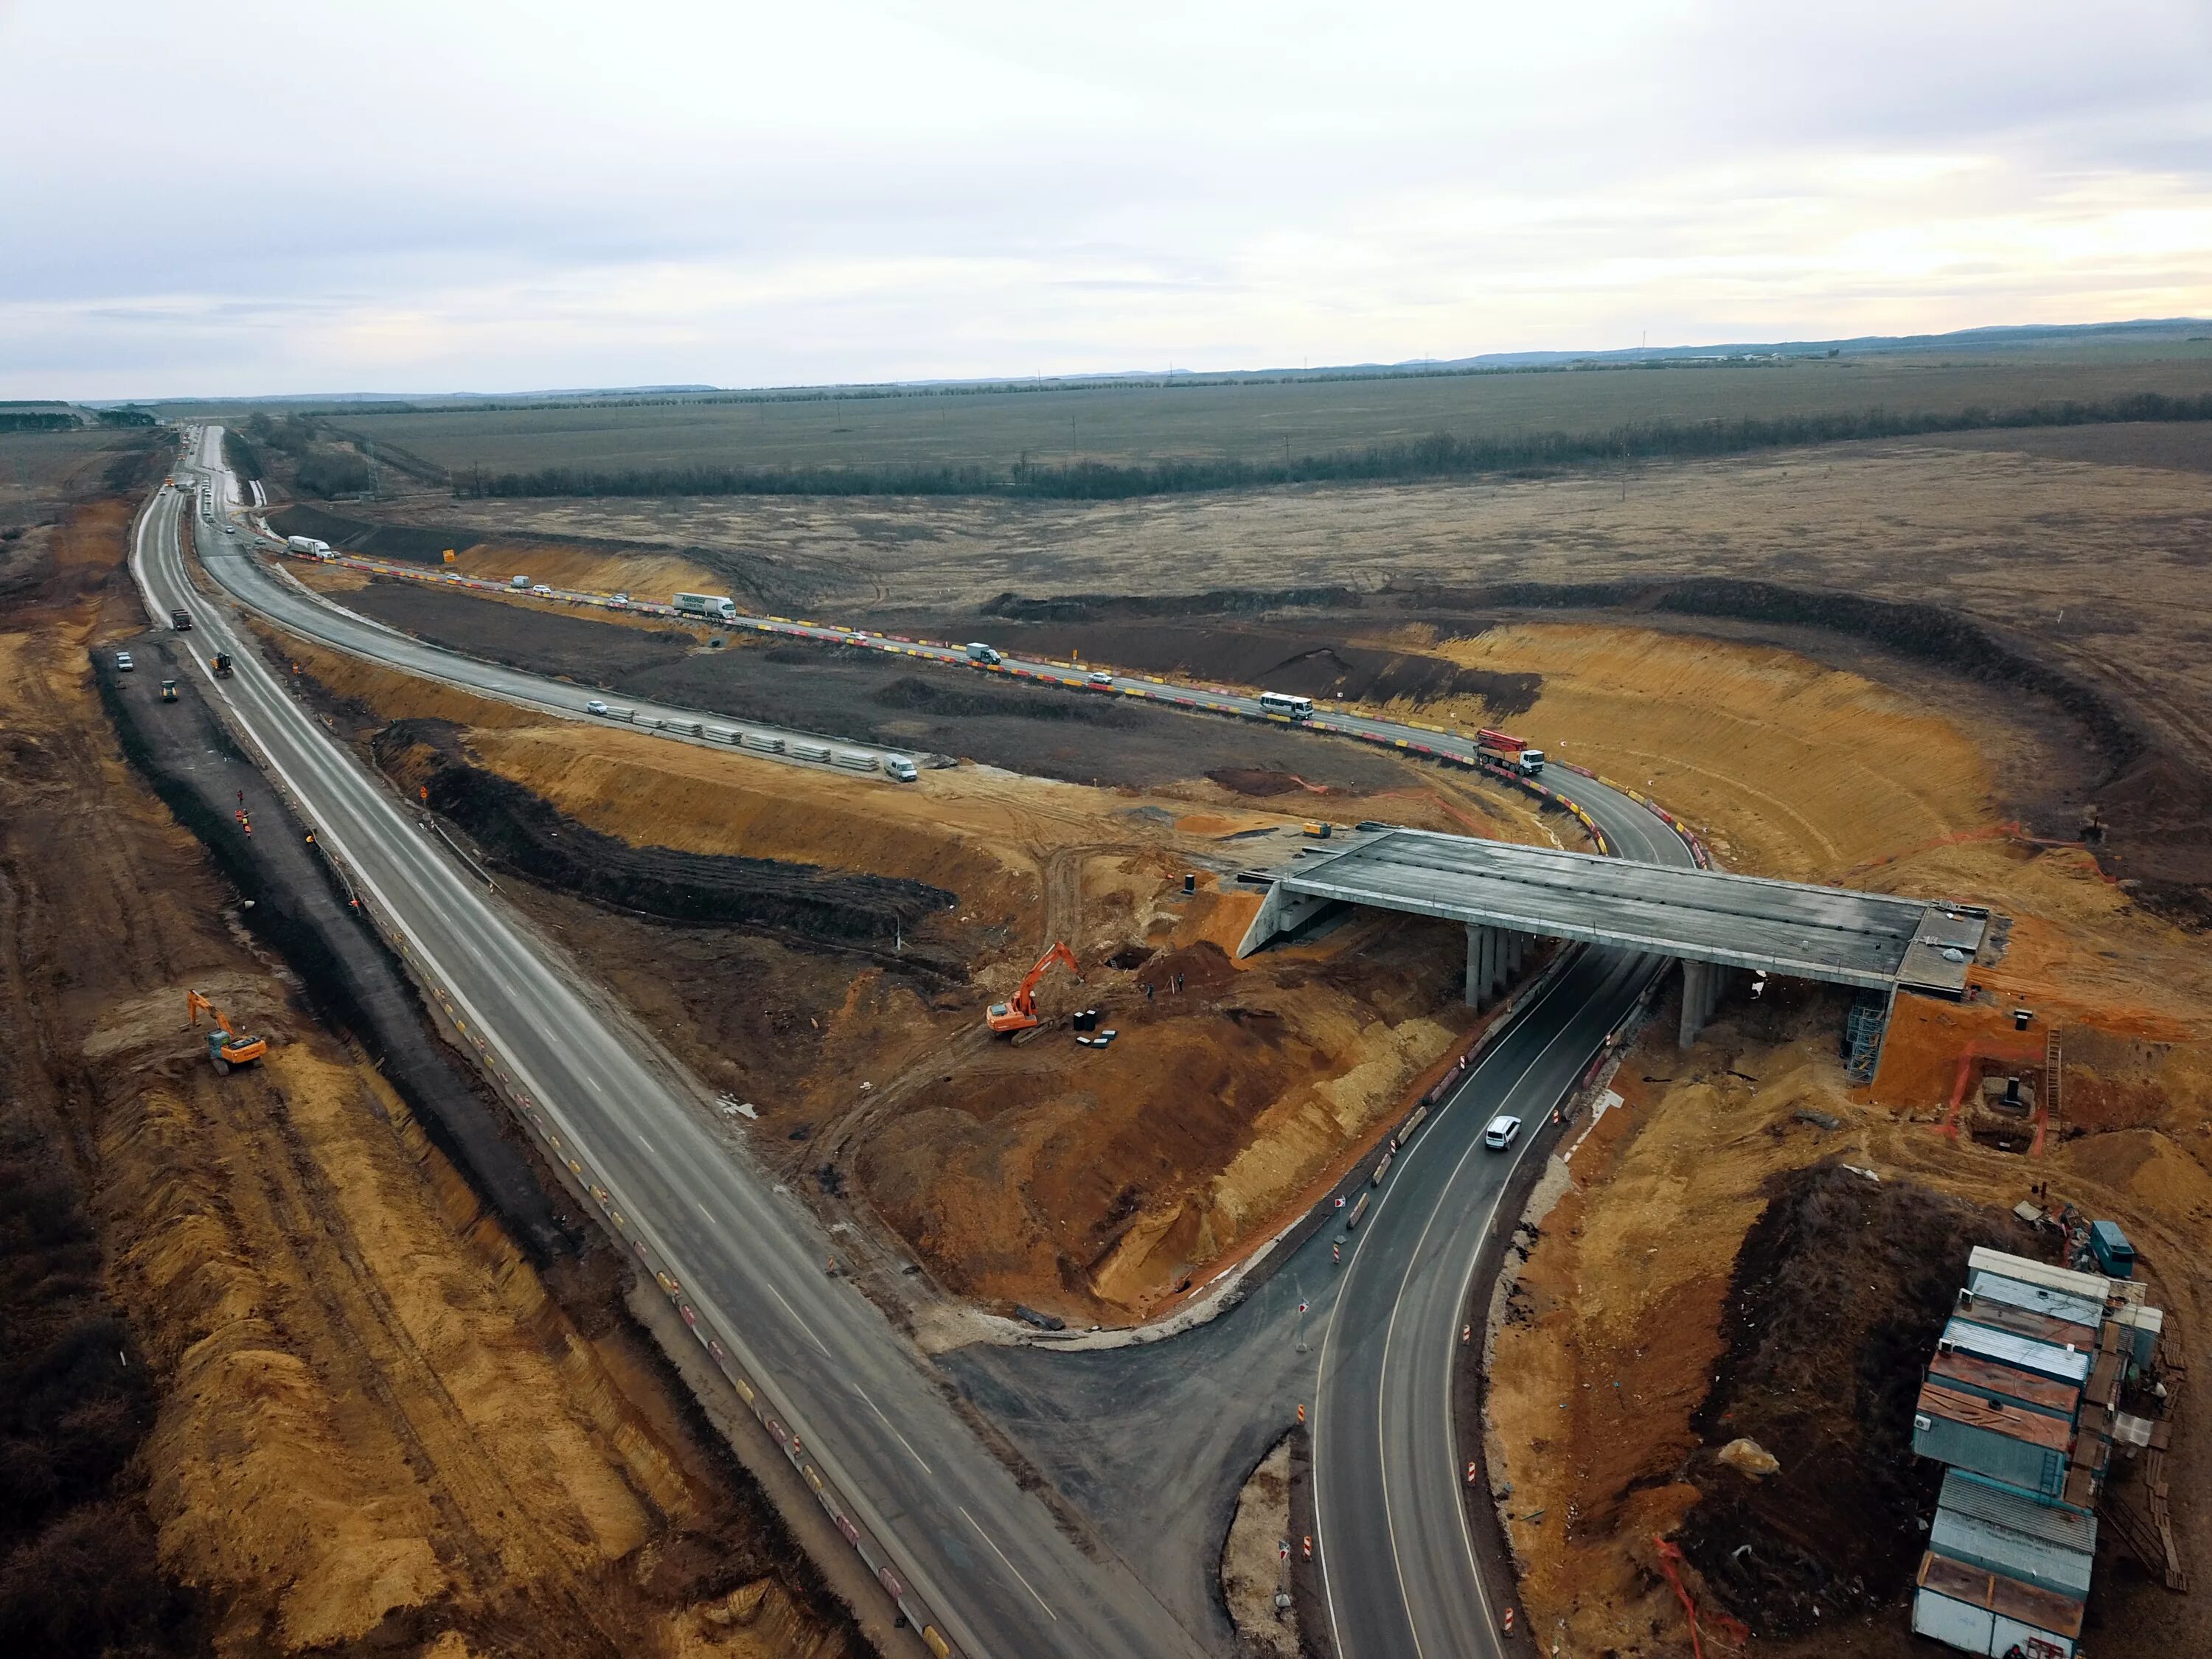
pixel 225 1047
pixel 1018 1012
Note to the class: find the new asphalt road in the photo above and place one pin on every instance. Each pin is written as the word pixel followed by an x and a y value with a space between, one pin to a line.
pixel 989 1562
pixel 1398 1560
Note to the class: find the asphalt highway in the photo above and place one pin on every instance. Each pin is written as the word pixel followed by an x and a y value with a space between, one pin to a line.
pixel 1399 1561
pixel 988 1563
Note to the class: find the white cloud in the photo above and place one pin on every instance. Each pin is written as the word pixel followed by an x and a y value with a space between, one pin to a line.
pixel 247 196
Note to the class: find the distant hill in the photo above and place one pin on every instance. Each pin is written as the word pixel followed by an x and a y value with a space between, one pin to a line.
pixel 2177 330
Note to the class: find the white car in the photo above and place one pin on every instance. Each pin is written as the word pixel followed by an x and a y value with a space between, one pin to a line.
pixel 1501 1133
pixel 595 707
pixel 1100 676
pixel 541 591
pixel 123 661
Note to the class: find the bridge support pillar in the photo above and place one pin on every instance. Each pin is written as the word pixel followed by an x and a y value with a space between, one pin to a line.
pixel 1494 955
pixel 1697 989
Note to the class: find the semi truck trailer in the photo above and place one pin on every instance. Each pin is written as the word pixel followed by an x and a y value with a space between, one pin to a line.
pixel 716 607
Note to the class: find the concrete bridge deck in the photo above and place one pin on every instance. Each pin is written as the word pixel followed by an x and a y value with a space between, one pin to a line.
pixel 1871 940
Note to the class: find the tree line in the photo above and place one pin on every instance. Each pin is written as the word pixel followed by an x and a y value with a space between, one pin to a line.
pixel 1441 455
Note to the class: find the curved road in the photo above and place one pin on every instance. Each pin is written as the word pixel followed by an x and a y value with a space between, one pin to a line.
pixel 1398 1559
pixel 990 1566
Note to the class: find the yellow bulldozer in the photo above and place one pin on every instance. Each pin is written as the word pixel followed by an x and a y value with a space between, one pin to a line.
pixel 226 1047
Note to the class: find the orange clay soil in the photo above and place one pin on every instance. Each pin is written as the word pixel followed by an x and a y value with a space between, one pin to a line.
pixel 1090 1183
pixel 1615 1316
pixel 377 1426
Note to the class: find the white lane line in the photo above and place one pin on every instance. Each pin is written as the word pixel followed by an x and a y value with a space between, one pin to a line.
pixel 1467 1088
pixel 893 1427
pixel 1011 1567
pixel 704 1211
pixel 796 1320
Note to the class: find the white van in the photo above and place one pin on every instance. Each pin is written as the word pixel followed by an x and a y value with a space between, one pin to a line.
pixel 1501 1133
pixel 899 769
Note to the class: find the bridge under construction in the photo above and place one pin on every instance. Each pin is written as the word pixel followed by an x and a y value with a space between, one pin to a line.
pixel 1712 922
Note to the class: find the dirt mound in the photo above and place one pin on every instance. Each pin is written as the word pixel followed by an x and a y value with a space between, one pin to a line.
pixel 1074 737
pixel 950 698
pixel 545 642
pixel 521 833
pixel 1221 602
pixel 1840 1290
pixel 1275 658
pixel 385 541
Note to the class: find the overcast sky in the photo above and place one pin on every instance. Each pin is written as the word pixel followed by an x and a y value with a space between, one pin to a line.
pixel 222 196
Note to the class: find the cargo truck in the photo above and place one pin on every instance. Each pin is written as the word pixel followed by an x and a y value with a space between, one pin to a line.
pixel 308 547
pixel 982 655
pixel 716 607
pixel 1516 752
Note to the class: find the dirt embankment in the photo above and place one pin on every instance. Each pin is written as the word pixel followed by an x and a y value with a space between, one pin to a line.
pixel 373 1420
pixel 519 833
pixel 1089 1182
pixel 864 695
pixel 1634 1332
pixel 584 563
pixel 1840 1290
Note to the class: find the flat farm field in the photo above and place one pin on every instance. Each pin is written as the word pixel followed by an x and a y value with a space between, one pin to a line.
pixel 1253 421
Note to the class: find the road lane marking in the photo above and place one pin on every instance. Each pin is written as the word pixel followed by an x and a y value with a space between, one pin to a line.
pixel 1011 1567
pixel 1328 1338
pixel 794 1314
pixel 893 1427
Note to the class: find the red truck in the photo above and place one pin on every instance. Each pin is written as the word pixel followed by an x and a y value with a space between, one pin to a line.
pixel 1516 752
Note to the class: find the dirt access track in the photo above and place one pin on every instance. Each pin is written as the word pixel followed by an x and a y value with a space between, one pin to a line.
pixel 380 1417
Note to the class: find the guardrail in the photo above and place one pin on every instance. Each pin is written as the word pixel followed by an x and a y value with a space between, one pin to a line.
pixel 569 1160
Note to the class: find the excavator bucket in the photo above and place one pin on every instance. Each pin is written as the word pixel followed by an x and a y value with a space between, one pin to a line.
pixel 1018 1012
pixel 226 1047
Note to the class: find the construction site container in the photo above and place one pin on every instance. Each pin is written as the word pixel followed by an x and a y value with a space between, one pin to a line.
pixel 2031 1272
pixel 1989 1314
pixel 2084 1311
pixel 2140 1328
pixel 1970 1535
pixel 1977 1611
pixel 2114 1256
pixel 2004 1385
pixel 2040 1358
pixel 2024 1449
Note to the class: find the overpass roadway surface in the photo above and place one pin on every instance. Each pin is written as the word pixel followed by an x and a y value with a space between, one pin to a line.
pixel 1150 1436
pixel 991 1568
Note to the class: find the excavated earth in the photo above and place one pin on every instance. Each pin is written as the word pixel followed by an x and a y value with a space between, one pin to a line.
pixel 1841 1288
pixel 366 1400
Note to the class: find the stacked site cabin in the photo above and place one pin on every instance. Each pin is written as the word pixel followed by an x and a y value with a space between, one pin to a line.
pixel 2023 1402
